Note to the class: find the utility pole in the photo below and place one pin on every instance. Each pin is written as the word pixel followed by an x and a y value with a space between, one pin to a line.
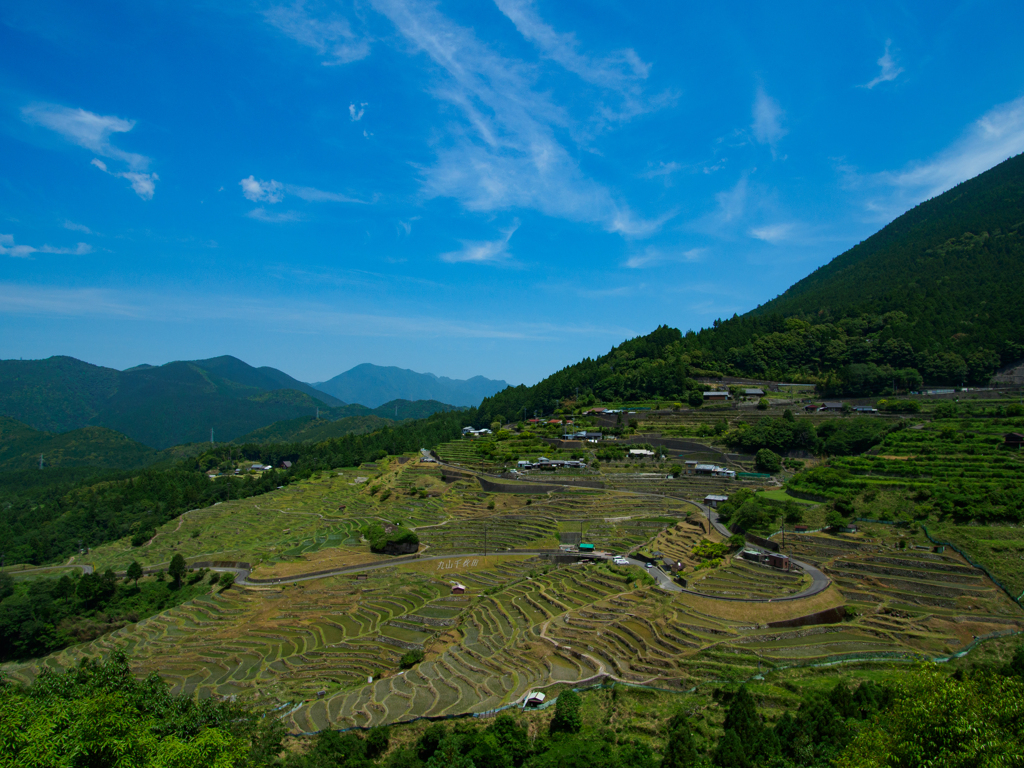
pixel 211 435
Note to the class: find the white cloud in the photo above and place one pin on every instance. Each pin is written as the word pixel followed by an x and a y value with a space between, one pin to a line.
pixel 622 72
pixel 331 36
pixel 299 317
pixel 64 302
pixel 773 233
pixel 483 252
pixel 890 71
pixel 93 132
pixel 271 192
pixel 357 113
pixel 732 202
pixel 505 154
pixel 994 137
pixel 86 129
pixel 262 191
pixel 274 217
pixel 767 125
pixel 68 224
pixel 662 169
pixel 8 248
pixel 312 195
pixel 144 184
pixel 653 257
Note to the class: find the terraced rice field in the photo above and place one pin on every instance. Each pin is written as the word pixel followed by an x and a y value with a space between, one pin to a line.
pixel 327 651
pixel 500 532
pixel 743 579
pixel 678 541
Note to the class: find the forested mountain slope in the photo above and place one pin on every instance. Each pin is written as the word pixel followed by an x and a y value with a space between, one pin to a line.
pixel 934 297
pixel 21 446
pixel 157 405
pixel 344 420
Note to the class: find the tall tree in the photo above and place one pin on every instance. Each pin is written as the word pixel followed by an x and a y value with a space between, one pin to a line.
pixel 680 751
pixel 134 572
pixel 177 569
pixel 567 713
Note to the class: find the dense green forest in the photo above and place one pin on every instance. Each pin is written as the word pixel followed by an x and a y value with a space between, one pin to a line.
pixel 21 447
pixel 343 420
pixel 42 615
pixel 99 714
pixel 44 522
pixel 930 299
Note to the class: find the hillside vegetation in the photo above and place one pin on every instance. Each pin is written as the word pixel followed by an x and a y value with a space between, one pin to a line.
pixel 931 298
pixel 43 522
pixel 21 447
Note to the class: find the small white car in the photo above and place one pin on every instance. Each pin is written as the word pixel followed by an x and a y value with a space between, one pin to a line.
pixel 620 561
pixel 650 565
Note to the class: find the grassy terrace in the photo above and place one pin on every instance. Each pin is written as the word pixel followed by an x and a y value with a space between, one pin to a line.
pixel 747 580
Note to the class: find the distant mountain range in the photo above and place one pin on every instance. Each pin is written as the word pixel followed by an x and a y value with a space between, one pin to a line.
pixel 180 402
pixel 373 385
pixel 158 406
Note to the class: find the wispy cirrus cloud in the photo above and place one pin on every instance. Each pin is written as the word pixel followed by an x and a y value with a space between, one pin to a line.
pixel 8 248
pixel 767 126
pixel 273 192
pixel 774 233
pixel 661 169
pixel 483 251
pixel 295 317
pixel 732 202
pixel 68 224
pixel 890 69
pixel 94 132
pixel 329 35
pixel 356 113
pixel 505 152
pixel 994 137
pixel 274 217
pixel 622 72
pixel 653 257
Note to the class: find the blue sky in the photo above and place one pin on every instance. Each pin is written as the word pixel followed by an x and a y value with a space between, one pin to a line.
pixel 496 188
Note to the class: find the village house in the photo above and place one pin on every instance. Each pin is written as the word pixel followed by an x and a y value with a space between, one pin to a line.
pixel 1013 439
pixel 713 500
pixel 717 395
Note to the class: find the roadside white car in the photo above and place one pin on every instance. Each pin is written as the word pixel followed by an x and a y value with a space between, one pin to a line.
pixel 620 561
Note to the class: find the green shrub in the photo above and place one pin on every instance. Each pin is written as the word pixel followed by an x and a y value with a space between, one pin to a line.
pixel 768 461
pixel 411 659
